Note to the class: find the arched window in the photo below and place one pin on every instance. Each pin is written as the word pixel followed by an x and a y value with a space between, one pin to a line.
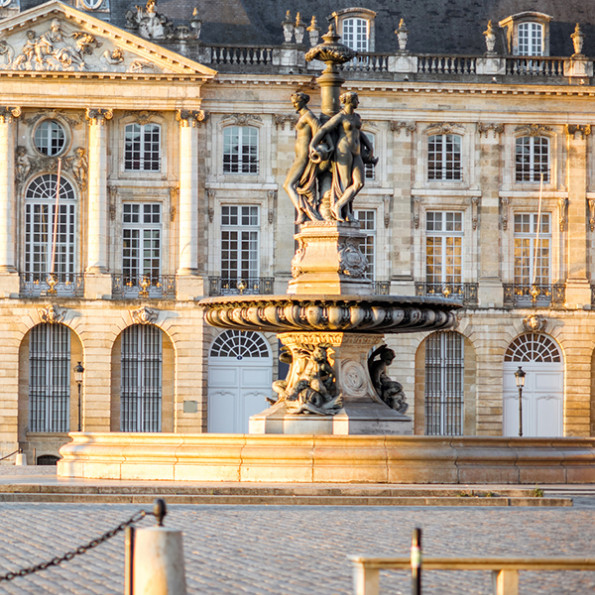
pixel 240 344
pixel 240 150
pixel 444 157
pixel 50 227
pixel 142 147
pixel 533 347
pixel 444 385
pixel 532 159
pixel 141 386
pixel 49 378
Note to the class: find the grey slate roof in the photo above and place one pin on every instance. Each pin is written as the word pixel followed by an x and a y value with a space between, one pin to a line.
pixel 435 26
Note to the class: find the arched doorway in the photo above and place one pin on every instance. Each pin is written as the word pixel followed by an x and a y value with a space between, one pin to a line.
pixel 543 393
pixel 240 377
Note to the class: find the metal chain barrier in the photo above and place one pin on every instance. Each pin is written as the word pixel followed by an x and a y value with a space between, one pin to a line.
pixel 16 452
pixel 79 550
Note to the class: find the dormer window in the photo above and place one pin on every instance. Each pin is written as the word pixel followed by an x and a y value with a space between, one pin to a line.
pixel 527 34
pixel 530 39
pixel 356 27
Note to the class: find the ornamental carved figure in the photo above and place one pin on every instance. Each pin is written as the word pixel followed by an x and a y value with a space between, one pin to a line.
pixel 351 260
pixel 389 390
pixel 144 315
pixel 51 315
pixel 310 386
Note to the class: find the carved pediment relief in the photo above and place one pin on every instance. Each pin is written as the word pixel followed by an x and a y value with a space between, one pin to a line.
pixel 445 128
pixel 55 37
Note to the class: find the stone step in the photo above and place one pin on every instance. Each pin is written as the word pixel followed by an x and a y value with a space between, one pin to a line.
pixel 281 499
pixel 357 491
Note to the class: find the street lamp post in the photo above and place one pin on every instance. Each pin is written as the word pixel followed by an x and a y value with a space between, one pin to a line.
pixel 519 378
pixel 78 377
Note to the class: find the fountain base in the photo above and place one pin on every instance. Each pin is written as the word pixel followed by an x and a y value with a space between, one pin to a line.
pixel 355 418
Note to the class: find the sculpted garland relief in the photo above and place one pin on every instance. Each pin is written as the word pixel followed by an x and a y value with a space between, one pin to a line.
pixel 57 48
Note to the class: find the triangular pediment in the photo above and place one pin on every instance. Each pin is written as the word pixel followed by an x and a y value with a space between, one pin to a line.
pixel 55 37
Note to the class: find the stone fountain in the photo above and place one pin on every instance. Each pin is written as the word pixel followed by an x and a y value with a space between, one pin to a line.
pixel 331 324
pixel 337 416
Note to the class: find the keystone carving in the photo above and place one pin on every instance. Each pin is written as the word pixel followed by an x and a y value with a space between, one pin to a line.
pixel 144 315
pixel 51 315
pixel 534 323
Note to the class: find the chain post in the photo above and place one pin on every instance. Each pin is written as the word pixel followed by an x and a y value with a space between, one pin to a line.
pixel 416 562
pixel 129 560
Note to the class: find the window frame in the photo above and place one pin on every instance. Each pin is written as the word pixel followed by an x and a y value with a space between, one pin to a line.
pixel 141 155
pixel 252 233
pixel 359 14
pixel 531 236
pixel 369 247
pixel 48 137
pixel 446 160
pixel 248 164
pixel 534 167
pixel 145 209
pixel 444 234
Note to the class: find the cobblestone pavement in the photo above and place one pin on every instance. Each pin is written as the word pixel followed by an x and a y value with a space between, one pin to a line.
pixel 296 550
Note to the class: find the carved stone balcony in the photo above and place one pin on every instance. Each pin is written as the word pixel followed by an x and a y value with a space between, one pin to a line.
pixel 162 287
pixel 534 296
pixel 249 286
pixel 42 285
pixel 464 293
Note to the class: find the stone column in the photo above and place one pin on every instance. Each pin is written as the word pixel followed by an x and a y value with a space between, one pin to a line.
pixel 97 279
pixel 578 290
pixel 490 291
pixel 8 274
pixel 189 285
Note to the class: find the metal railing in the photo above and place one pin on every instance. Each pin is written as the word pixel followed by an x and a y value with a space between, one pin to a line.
pixel 249 286
pixel 534 296
pixel 46 285
pixel 126 287
pixel 465 293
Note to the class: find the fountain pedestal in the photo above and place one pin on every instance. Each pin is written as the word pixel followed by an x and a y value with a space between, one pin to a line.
pixel 361 412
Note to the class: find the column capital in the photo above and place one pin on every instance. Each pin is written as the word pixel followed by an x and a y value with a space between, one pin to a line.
pixel 98 116
pixel 7 114
pixel 578 130
pixel 190 117
pixel 484 129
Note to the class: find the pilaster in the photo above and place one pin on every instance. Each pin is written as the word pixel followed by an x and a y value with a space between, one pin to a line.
pixel 97 279
pixel 189 285
pixel 490 291
pixel 578 290
pixel 9 280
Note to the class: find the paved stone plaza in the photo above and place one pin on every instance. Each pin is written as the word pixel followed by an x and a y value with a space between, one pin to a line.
pixel 296 550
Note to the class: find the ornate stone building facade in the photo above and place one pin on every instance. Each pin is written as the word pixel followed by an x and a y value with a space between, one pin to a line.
pixel 144 150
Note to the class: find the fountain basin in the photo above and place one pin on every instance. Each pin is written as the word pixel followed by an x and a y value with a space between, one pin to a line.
pixel 371 314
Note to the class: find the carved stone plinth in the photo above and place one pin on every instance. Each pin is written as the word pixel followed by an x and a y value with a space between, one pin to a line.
pixel 329 372
pixel 328 260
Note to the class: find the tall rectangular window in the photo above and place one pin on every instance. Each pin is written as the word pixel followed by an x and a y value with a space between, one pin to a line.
pixel 41 227
pixel 141 242
pixel 532 250
pixel 532 159
pixel 367 223
pixel 530 39
pixel 356 34
pixel 444 386
pixel 142 147
pixel 444 249
pixel 240 150
pixel 240 235
pixel 49 378
pixel 444 157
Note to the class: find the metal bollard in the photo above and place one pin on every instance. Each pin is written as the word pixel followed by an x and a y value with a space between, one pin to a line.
pixel 157 557
pixel 416 562
pixel 20 459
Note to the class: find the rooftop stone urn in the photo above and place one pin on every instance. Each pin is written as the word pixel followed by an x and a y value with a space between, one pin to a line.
pixel 330 323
